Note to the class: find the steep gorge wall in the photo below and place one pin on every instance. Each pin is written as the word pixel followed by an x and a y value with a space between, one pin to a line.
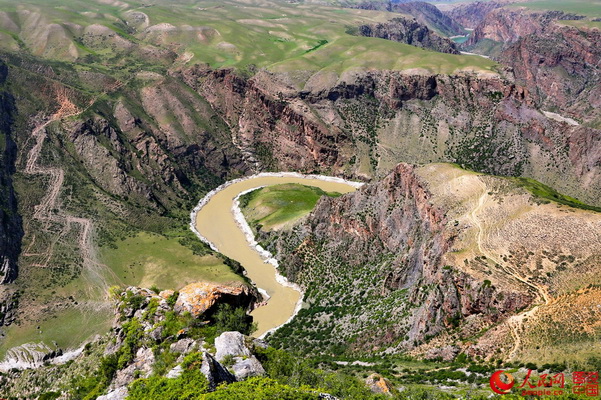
pixel 11 231
pixel 562 63
pixel 363 124
pixel 374 260
pixel 410 32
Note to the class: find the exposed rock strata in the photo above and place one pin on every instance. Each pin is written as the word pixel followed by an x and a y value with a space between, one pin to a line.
pixel 361 124
pixel 409 32
pixel 431 256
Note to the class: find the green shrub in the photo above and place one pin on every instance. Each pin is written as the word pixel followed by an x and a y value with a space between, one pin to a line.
pixel 190 385
pixel 261 389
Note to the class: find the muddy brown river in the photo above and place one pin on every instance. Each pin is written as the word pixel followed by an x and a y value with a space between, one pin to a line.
pixel 215 221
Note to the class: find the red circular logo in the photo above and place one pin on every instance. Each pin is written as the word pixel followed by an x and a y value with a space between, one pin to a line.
pixel 500 387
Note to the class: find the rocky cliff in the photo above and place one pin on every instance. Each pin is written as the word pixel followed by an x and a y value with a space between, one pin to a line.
pixel 546 53
pixel 470 15
pixel 422 254
pixel 562 63
pixel 362 124
pixel 429 15
pixel 424 13
pixel 507 25
pixel 11 231
pixel 409 32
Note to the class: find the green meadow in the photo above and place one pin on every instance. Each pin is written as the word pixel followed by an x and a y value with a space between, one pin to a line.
pixel 146 260
pixel 244 34
pixel 273 207
pixel 591 8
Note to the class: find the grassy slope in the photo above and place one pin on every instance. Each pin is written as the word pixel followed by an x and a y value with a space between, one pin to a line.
pixel 150 259
pixel 267 33
pixel 279 205
pixel 582 24
pixel 145 259
pixel 591 8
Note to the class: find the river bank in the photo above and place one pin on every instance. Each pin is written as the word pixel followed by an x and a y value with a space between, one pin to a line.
pixel 234 238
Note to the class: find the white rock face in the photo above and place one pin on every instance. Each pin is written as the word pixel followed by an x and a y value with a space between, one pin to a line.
pixel 230 344
pixel 117 394
pixel 175 372
pixel 245 364
pixel 28 355
pixel 142 362
pixel 247 368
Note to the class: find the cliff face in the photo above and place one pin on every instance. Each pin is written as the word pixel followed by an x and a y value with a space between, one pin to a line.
pixel 431 256
pixel 562 64
pixel 429 15
pixel 362 124
pixel 375 259
pixel 11 231
pixel 545 53
pixel 470 15
pixel 409 32
pixel 507 25
pixel 424 13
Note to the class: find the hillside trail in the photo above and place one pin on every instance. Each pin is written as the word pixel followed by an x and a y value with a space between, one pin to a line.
pixel 515 322
pixel 49 210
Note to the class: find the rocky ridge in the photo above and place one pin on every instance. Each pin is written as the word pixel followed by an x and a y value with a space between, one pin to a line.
pixel 147 327
pixel 374 119
pixel 409 32
pixel 421 261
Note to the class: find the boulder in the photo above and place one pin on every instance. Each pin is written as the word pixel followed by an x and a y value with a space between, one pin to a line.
pixel 378 384
pixel 183 346
pixel 117 394
pixel 175 372
pixel 231 344
pixel 200 297
pixel 216 374
pixel 143 363
pixel 247 368
pixel 245 363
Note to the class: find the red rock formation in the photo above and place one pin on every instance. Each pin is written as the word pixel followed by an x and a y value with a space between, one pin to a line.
pixel 201 297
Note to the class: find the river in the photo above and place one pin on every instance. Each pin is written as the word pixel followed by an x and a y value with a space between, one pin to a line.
pixel 214 221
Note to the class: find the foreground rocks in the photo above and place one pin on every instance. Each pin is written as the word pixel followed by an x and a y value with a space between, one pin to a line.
pixel 245 364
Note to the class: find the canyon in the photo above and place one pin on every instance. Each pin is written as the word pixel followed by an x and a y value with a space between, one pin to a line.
pixel 475 233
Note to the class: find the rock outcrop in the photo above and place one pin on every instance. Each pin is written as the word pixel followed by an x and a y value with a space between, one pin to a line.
pixel 11 230
pixel 215 372
pixel 410 32
pixel 201 297
pixel 29 355
pixel 379 385
pixel 245 364
pixel 425 259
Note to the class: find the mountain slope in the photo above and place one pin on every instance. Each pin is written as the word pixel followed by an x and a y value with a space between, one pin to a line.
pixel 437 261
